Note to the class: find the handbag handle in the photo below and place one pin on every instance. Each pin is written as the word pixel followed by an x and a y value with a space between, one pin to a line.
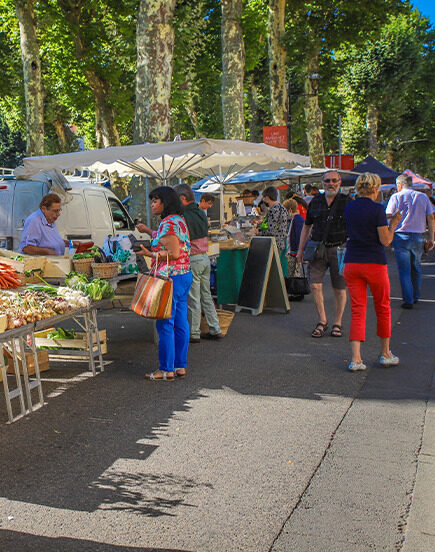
pixel 167 265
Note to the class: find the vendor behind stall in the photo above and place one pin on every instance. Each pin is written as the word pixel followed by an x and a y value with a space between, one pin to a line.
pixel 40 235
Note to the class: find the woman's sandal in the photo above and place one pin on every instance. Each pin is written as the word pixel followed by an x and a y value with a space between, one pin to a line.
pixel 180 372
pixel 320 329
pixel 160 375
pixel 337 331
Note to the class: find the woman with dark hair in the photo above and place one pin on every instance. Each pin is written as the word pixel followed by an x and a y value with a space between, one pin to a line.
pixel 170 250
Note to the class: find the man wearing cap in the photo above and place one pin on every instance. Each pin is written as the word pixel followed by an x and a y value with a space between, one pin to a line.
pixel 409 240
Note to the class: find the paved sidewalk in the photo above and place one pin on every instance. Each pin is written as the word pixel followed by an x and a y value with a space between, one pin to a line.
pixel 267 445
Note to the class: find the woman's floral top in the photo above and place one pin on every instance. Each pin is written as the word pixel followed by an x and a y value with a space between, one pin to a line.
pixel 173 225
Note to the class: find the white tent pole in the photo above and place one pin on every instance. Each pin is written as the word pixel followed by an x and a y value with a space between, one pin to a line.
pixel 221 194
pixel 163 170
pixel 147 193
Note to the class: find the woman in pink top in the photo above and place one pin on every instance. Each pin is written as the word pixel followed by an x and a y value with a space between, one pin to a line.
pixel 170 250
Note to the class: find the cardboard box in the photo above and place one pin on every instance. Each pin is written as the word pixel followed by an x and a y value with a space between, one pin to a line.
pixel 57 266
pixel 43 363
pixel 79 343
pixel 3 323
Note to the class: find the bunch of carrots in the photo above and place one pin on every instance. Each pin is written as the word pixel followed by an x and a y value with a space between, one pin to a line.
pixel 8 277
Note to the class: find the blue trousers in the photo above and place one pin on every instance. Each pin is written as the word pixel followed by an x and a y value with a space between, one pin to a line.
pixel 408 248
pixel 174 332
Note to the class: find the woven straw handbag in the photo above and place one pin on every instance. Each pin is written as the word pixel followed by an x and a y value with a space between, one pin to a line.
pixel 153 295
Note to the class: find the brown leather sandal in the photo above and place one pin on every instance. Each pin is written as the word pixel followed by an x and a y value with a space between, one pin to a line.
pixel 160 375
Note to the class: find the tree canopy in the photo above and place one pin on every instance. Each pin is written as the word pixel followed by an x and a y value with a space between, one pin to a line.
pixel 376 64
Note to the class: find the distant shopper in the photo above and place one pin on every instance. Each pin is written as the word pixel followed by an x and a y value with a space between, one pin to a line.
pixel 296 223
pixel 275 223
pixel 310 192
pixel 302 205
pixel 206 201
pixel 200 298
pixel 366 265
pixel 409 239
pixel 325 224
pixel 171 244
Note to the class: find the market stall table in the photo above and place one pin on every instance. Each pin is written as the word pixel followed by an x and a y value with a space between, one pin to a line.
pixel 20 339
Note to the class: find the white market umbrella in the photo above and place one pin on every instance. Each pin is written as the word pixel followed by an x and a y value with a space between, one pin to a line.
pixel 222 159
pixel 165 160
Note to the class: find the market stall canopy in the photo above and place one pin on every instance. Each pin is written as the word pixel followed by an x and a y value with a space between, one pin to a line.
pixel 418 182
pixel 201 158
pixel 256 180
pixel 372 165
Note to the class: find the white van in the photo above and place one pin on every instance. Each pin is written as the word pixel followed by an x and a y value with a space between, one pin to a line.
pixel 89 211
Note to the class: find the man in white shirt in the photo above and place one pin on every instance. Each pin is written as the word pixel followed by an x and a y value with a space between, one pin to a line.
pixel 408 243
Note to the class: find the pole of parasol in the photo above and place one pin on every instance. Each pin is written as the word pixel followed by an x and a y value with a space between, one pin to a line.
pixel 147 193
pixel 221 197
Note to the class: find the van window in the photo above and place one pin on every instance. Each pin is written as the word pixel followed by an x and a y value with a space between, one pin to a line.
pixel 121 219
pixel 27 198
pixel 98 211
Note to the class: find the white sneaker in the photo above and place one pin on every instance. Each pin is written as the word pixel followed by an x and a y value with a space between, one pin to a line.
pixel 389 361
pixel 355 366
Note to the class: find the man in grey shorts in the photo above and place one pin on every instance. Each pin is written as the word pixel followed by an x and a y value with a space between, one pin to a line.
pixel 316 221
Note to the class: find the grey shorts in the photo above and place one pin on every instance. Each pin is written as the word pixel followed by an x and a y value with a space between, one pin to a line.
pixel 318 267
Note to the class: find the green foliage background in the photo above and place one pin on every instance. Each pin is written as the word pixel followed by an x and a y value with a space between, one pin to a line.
pixel 382 54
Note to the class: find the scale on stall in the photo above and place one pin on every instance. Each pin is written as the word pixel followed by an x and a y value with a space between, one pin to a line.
pixel 263 284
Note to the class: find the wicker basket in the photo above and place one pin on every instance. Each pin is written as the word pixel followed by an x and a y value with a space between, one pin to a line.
pixel 84 266
pixel 105 270
pixel 225 319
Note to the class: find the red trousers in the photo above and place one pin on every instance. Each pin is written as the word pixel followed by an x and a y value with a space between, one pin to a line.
pixel 358 276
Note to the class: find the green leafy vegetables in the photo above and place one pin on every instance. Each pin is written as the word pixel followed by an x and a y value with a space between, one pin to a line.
pixel 90 254
pixel 96 289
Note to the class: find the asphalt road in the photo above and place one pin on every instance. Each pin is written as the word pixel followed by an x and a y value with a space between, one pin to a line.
pixel 268 445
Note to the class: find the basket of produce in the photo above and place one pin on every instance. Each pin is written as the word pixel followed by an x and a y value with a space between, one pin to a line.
pixel 83 261
pixel 105 270
pixel 84 266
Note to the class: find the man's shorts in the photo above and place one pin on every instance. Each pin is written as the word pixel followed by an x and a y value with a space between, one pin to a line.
pixel 320 265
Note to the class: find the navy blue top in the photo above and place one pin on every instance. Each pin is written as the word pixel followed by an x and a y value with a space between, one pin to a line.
pixel 363 217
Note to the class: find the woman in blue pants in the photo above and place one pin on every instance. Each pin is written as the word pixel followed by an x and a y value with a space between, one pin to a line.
pixel 170 250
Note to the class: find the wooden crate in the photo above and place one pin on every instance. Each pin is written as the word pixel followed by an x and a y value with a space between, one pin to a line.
pixel 43 362
pixel 28 263
pixel 78 344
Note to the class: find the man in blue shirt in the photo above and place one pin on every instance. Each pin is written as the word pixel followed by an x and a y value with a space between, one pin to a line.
pixel 40 235
pixel 408 241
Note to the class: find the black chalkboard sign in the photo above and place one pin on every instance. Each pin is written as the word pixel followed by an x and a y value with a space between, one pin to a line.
pixel 263 281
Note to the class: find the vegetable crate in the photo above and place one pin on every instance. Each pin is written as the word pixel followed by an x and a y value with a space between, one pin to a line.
pixel 43 362
pixel 28 262
pixel 70 348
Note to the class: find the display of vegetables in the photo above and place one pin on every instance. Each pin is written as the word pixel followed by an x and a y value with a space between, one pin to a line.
pixel 30 306
pixel 8 277
pixel 96 289
pixel 61 333
pixel 40 301
pixel 92 253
